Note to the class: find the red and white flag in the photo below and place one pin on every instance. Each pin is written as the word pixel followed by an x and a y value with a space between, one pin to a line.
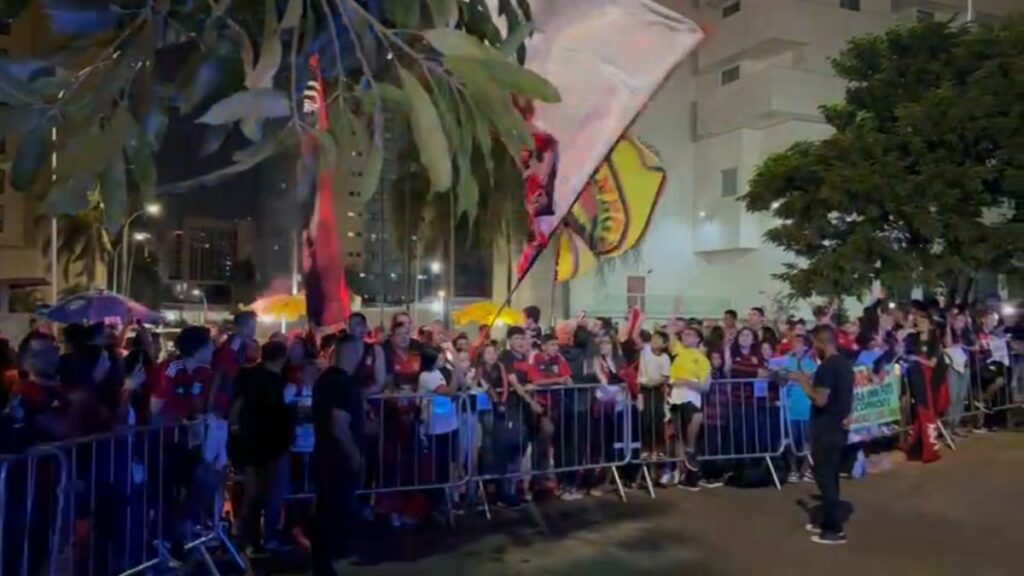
pixel 607 58
pixel 323 270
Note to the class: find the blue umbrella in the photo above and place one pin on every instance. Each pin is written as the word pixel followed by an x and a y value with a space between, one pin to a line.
pixel 101 306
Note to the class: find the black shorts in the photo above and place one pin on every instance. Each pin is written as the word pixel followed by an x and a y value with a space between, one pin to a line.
pixel 682 414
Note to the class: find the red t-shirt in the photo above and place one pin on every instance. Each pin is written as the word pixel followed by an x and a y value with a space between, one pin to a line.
pixel 185 394
pixel 234 353
pixel 544 367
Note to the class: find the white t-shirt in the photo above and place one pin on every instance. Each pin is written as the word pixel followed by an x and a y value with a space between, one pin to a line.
pixel 654 368
pixel 438 411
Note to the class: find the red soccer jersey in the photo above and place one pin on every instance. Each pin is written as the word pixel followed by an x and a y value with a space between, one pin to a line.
pixel 544 367
pixel 185 394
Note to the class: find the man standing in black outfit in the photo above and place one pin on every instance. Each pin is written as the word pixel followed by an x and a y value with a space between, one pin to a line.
pixel 831 394
pixel 337 464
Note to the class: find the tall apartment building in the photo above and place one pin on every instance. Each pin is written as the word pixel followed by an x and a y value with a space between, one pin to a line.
pixel 751 89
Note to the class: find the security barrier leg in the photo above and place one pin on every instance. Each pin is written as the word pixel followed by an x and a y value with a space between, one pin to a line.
pixel 775 476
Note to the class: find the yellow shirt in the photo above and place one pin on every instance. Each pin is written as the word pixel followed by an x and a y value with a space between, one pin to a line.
pixel 688 364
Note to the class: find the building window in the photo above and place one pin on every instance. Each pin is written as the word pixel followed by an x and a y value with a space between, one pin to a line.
pixel 852 5
pixel 730 75
pixel 3 146
pixel 636 292
pixel 730 9
pixel 925 16
pixel 5 27
pixel 730 183
pixel 1 219
pixel 3 182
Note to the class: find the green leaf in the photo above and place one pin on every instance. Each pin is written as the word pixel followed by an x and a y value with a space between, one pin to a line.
pixel 443 11
pixel 155 126
pixel 327 150
pixel 445 104
pixel 428 133
pixel 270 51
pixel 404 13
pixel 114 192
pixel 452 42
pixel 252 128
pixel 16 120
pixel 467 190
pixel 478 21
pixel 259 103
pixel 516 39
pixel 244 160
pixel 14 91
pixel 292 14
pixel 30 156
pixel 372 169
pixel 510 76
pixel 483 136
pixel 69 197
pixel 213 139
pixel 518 29
pixel 89 152
pixel 494 105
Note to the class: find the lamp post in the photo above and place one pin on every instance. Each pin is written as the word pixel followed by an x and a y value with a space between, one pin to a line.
pixel 150 210
pixel 139 237
pixel 202 296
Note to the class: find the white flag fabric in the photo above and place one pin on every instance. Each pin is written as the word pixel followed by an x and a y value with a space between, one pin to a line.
pixel 607 58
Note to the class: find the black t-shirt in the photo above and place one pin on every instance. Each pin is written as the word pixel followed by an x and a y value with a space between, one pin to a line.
pixel 266 425
pixel 835 374
pixel 336 389
pixel 517 365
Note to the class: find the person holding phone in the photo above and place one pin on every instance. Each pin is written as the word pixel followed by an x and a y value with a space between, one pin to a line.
pixel 831 392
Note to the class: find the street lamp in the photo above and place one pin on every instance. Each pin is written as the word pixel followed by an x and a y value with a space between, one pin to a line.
pixel 202 296
pixel 152 209
pixel 435 267
pixel 139 237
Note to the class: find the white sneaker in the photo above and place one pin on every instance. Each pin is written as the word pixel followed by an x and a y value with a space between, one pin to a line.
pixel 793 478
pixel 570 496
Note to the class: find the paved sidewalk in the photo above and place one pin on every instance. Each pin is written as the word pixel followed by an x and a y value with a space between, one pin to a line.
pixel 963 515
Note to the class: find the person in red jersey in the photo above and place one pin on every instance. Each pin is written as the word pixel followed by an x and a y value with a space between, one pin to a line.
pixel 38 411
pixel 238 349
pixel 547 368
pixel 184 391
pixel 183 395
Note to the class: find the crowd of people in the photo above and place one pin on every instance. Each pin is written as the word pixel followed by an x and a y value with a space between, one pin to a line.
pixel 404 406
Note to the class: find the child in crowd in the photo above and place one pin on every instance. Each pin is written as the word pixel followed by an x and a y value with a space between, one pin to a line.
pixel 547 368
pixel 798 408
pixel 654 367
pixel 440 426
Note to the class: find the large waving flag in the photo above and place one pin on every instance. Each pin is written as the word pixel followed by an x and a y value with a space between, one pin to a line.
pixel 323 272
pixel 607 58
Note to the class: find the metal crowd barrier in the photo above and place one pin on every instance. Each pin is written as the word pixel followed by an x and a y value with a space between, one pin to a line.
pixel 112 503
pixel 565 435
pixel 738 421
pixel 414 442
